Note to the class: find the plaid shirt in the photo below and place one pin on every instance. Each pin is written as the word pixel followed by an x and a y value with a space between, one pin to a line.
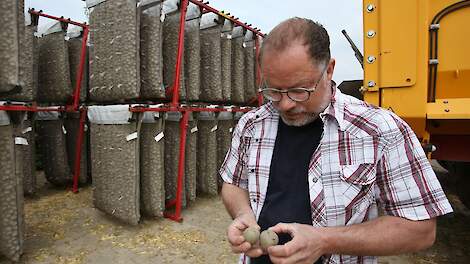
pixel 367 157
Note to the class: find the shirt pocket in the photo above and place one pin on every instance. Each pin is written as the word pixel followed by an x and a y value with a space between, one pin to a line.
pixel 357 183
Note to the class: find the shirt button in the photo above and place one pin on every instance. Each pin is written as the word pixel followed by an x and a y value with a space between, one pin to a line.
pixel 314 180
pixel 252 170
pixel 254 200
pixel 256 140
pixel 257 116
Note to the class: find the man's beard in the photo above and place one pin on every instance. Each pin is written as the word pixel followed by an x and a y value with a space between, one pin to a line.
pixel 302 119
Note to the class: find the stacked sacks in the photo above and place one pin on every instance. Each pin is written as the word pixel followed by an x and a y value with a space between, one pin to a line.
pixel 250 77
pixel 75 51
pixel 207 154
pixel 172 146
pixel 171 27
pixel 54 70
pixel 238 66
pixel 211 71
pixel 192 56
pixel 114 142
pixel 115 65
pixel 11 192
pixel 226 60
pixel 152 172
pixel 151 60
pixel 224 138
pixel 11 16
pixel 52 143
pixel 190 168
pixel 72 128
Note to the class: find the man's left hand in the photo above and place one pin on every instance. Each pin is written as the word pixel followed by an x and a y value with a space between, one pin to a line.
pixel 306 245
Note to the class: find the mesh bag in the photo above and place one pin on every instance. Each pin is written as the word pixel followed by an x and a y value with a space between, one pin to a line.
pixel 72 127
pixel 52 142
pixel 115 65
pixel 207 154
pixel 115 165
pixel 54 70
pixel 11 194
pixel 238 66
pixel 11 16
pixel 152 171
pixel 226 60
pixel 29 157
pixel 192 56
pixel 151 67
pixel 75 51
pixel 211 63
pixel 172 146
pixel 250 80
pixel 171 27
pixel 224 138
pixel 190 167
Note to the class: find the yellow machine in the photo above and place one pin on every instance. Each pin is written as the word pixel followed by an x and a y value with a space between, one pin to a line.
pixel 417 64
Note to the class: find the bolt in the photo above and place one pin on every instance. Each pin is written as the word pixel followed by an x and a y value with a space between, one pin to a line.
pixel 370 33
pixel 446 102
pixel 446 110
pixel 371 84
pixel 370 59
pixel 370 8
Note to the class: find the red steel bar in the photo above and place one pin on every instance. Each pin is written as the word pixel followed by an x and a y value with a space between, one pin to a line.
pixel 179 58
pixel 78 149
pixel 78 85
pixel 61 19
pixel 187 109
pixel 32 108
pixel 231 18
pixel 179 190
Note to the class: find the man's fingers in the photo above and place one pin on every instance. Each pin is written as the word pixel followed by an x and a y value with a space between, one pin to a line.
pixel 243 247
pixel 284 228
pixel 285 250
pixel 254 252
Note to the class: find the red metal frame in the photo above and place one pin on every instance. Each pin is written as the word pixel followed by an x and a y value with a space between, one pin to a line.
pixel 179 59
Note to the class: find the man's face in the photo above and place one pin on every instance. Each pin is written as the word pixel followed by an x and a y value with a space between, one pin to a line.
pixel 293 68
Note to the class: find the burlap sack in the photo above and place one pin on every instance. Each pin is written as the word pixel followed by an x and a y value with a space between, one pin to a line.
pixel 191 159
pixel 207 154
pixel 226 61
pixel 192 55
pixel 75 51
pixel 238 66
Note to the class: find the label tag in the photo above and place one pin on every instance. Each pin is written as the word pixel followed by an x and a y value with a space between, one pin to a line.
pixel 162 17
pixel 85 127
pixel 131 136
pixel 21 141
pixel 214 128
pixel 230 130
pixel 159 136
pixel 64 130
pixel 26 130
pixel 244 45
pixel 194 129
pixel 229 36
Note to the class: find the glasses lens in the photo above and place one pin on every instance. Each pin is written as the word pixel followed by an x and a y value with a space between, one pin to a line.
pixel 272 95
pixel 298 94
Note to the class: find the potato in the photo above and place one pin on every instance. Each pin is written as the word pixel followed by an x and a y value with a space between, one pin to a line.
pixel 251 235
pixel 268 238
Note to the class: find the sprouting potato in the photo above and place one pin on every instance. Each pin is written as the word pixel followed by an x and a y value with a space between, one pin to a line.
pixel 251 235
pixel 268 238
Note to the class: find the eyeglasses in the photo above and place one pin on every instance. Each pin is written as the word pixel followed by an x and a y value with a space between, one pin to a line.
pixel 295 94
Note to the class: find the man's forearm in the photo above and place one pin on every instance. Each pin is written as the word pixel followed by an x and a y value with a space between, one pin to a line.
pixel 386 235
pixel 236 200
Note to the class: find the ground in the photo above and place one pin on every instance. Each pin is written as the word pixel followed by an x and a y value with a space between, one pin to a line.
pixel 62 227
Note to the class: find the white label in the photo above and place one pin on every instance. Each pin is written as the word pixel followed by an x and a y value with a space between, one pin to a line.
pixel 159 136
pixel 131 136
pixel 64 130
pixel 230 130
pixel 229 36
pixel 85 127
pixel 244 45
pixel 214 128
pixel 194 129
pixel 162 17
pixel 21 141
pixel 26 130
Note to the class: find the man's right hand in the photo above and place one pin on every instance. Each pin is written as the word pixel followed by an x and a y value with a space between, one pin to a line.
pixel 236 239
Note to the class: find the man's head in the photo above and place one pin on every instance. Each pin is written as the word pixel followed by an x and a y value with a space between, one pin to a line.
pixel 296 53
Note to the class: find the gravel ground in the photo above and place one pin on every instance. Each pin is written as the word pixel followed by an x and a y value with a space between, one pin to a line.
pixel 62 227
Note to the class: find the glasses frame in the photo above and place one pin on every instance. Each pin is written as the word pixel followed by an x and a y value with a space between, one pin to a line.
pixel 281 92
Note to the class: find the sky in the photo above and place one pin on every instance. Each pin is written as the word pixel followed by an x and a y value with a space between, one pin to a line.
pixel 334 15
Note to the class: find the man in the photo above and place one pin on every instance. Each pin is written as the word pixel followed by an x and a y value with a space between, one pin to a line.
pixel 314 165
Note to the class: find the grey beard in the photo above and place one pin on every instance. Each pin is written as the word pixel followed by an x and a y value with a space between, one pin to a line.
pixel 307 119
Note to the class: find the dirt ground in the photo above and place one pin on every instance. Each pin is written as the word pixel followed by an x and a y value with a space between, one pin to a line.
pixel 62 227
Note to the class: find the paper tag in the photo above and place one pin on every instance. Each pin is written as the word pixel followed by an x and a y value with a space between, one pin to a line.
pixel 64 130
pixel 214 128
pixel 131 136
pixel 26 130
pixel 21 141
pixel 162 17
pixel 194 129
pixel 229 36
pixel 230 130
pixel 85 127
pixel 244 45
pixel 159 136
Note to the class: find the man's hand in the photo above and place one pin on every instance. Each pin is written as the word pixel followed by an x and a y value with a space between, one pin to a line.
pixel 304 248
pixel 236 239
